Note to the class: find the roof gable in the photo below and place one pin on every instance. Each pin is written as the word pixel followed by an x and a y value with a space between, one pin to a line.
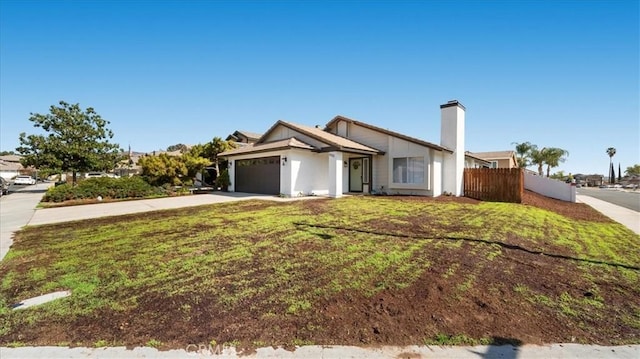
pixel 387 132
pixel 269 146
pixel 331 141
pixel 238 135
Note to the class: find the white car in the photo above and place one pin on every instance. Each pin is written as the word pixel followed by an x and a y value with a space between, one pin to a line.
pixel 100 174
pixel 24 180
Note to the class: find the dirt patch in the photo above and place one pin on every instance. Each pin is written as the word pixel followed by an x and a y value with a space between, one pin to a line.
pixel 578 211
pixel 435 305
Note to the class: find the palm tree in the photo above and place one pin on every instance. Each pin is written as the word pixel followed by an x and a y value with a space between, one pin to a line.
pixel 611 151
pixel 553 156
pixel 524 153
pixel 537 157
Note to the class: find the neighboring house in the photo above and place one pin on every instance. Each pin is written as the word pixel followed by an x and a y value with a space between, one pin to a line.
pixel 351 156
pixel 10 166
pixel 498 159
pixel 590 180
pixel 129 165
pixel 244 137
pixel 471 161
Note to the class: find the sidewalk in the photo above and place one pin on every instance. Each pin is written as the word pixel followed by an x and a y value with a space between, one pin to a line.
pixel 625 216
pixel 338 352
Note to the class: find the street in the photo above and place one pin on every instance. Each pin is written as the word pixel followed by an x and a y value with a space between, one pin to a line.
pixel 623 199
pixel 16 209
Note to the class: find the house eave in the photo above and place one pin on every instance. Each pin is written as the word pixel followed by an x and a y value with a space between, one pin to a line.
pixel 350 150
pixel 264 150
pixel 388 133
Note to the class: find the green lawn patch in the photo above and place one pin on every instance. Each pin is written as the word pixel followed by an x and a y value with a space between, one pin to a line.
pixel 353 271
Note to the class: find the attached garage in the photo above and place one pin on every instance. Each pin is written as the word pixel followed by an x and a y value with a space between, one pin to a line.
pixel 258 175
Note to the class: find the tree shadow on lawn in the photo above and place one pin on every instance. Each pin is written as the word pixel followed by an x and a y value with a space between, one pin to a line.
pixel 475 240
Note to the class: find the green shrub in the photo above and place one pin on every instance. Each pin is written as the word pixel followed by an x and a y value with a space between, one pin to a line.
pixel 107 188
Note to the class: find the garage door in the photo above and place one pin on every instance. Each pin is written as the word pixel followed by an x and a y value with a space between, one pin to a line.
pixel 258 175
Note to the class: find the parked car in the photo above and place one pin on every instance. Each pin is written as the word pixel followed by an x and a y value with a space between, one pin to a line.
pixel 94 174
pixel 4 186
pixel 100 174
pixel 24 180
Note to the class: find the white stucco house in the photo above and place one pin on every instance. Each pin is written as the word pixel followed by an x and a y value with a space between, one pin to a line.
pixel 349 156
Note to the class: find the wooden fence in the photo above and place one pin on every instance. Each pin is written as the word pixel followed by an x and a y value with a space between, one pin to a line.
pixel 494 184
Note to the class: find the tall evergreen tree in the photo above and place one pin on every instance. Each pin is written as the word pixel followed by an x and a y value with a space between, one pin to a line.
pixel 619 173
pixel 612 175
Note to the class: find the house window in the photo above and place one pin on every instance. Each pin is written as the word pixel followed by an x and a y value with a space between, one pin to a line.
pixel 494 164
pixel 408 170
pixel 365 170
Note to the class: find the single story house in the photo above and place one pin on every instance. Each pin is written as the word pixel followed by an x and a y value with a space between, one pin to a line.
pixel 498 159
pixel 349 156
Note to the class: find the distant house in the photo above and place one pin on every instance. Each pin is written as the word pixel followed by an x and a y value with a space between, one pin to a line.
pixel 10 166
pixel 352 156
pixel 591 180
pixel 244 137
pixel 498 159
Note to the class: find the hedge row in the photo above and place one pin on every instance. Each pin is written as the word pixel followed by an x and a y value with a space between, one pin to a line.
pixel 126 187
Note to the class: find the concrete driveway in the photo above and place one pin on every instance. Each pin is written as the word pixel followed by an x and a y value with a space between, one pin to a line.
pixel 74 213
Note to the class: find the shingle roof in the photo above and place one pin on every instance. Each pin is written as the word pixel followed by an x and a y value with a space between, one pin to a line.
pixel 388 132
pixel 268 146
pixel 10 166
pixel 251 135
pixel 472 155
pixel 334 141
pixel 247 134
pixel 494 155
pixel 11 158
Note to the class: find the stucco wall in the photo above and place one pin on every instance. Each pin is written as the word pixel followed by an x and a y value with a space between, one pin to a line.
pixel 309 173
pixel 381 180
pixel 550 187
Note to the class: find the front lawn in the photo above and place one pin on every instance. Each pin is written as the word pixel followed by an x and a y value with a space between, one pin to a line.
pixel 353 271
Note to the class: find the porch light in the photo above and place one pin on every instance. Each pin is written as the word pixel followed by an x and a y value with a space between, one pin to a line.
pixel 284 160
pixel 346 164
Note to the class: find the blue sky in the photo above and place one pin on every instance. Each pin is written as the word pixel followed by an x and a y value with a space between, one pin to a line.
pixel 561 74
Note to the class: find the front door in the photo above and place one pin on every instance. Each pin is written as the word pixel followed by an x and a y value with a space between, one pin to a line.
pixel 355 174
